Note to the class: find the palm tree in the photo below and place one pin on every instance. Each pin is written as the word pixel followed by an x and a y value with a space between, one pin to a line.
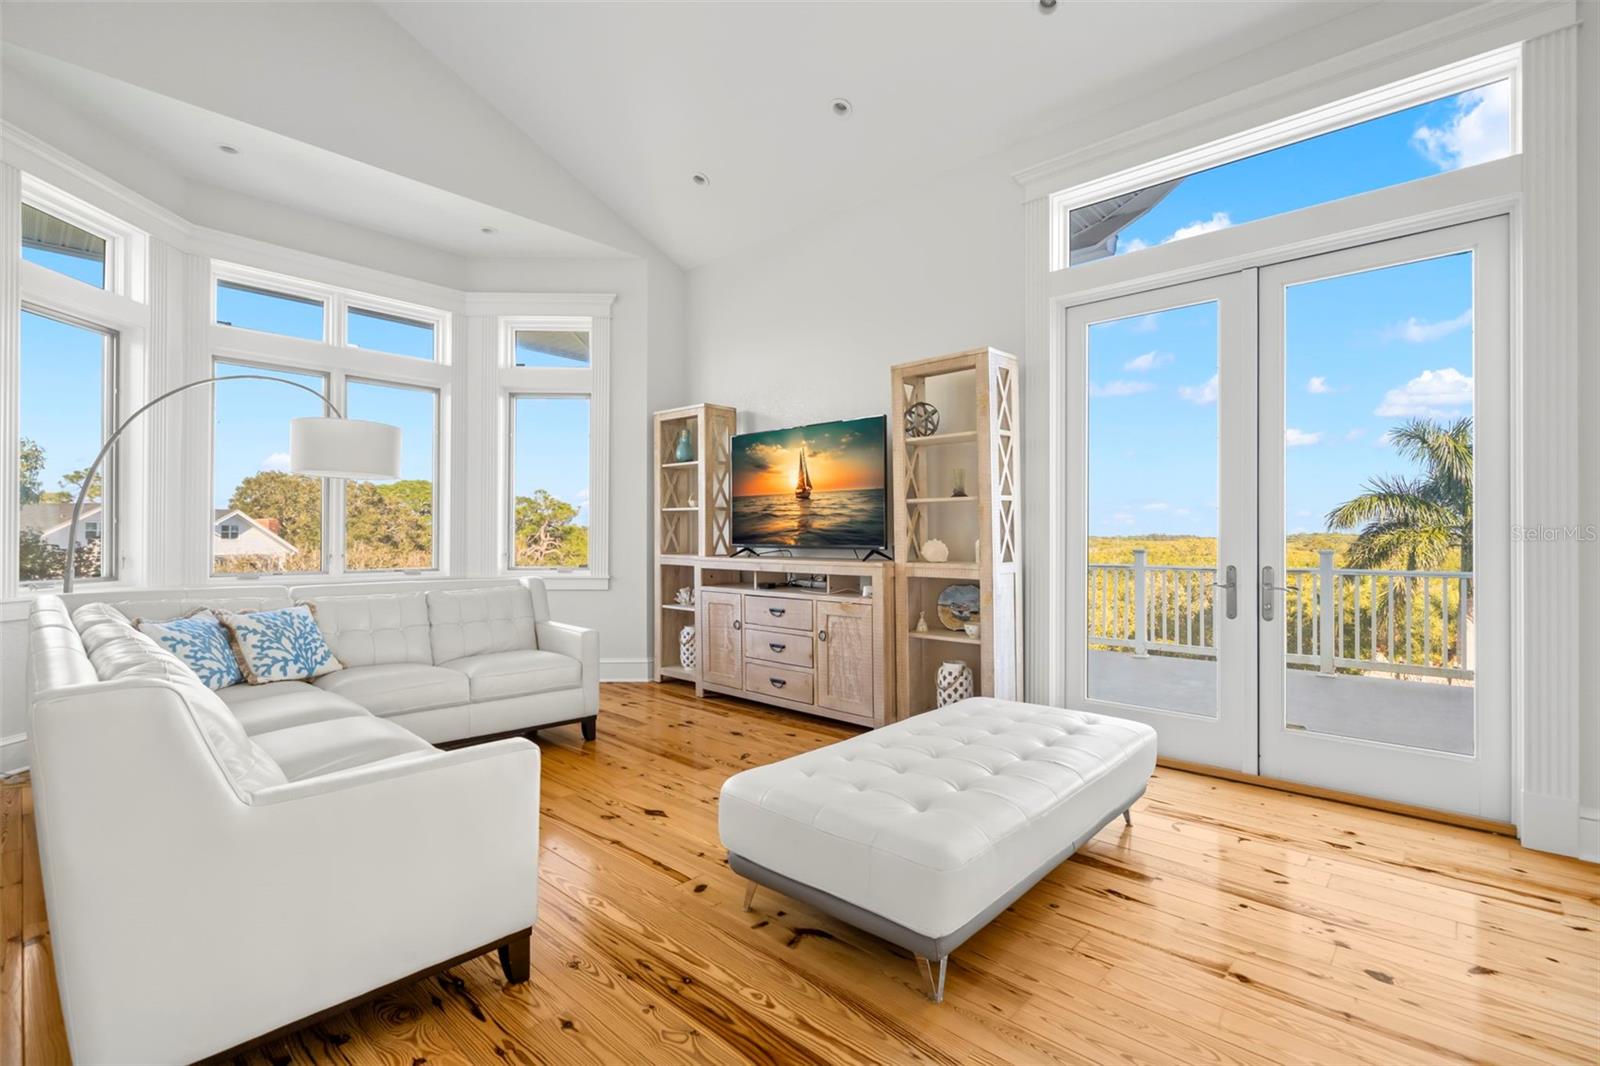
pixel 1416 522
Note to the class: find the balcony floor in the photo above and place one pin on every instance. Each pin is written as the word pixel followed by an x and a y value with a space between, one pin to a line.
pixel 1417 714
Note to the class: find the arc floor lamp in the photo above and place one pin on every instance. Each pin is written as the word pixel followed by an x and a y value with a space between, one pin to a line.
pixel 324 446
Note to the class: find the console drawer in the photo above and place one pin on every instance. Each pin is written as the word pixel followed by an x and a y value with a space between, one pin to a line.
pixel 778 612
pixel 779 646
pixel 780 681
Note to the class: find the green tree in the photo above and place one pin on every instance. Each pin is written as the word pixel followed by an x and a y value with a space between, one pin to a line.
pixel 545 535
pixel 294 500
pixel 389 526
pixel 1417 522
pixel 1421 522
pixel 74 481
pixel 30 462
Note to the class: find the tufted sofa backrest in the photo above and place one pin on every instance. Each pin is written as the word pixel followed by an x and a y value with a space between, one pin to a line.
pixel 375 629
pixel 160 604
pixel 473 621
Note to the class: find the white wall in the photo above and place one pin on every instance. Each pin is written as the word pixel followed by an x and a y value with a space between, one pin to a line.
pixel 805 328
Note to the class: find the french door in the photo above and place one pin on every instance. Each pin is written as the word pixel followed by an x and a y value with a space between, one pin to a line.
pixel 1273 556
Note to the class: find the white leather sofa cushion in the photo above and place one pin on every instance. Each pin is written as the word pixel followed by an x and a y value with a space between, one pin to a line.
pixel 467 622
pixel 118 651
pixel 929 820
pixel 498 674
pixel 394 688
pixel 160 604
pixel 368 630
pixel 319 748
pixel 283 704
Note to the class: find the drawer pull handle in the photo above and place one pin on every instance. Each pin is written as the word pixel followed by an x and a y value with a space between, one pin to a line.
pixel 777 612
pixel 777 682
pixel 738 624
pixel 777 647
pixel 822 635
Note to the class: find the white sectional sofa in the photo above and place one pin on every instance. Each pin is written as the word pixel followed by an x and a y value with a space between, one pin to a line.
pixel 221 866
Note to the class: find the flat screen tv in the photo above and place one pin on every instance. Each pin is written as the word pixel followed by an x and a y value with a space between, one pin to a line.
pixel 819 486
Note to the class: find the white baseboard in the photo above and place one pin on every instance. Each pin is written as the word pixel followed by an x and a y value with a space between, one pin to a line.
pixel 1589 834
pixel 625 669
pixel 1550 823
pixel 14 753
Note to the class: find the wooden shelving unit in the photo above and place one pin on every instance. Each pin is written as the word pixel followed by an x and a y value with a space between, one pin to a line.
pixel 694 516
pixel 977 445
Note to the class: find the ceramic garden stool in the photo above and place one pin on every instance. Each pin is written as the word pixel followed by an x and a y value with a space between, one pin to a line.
pixel 922 831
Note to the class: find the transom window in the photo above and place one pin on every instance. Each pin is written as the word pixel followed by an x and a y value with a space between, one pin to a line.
pixel 62 246
pixel 1458 117
pixel 265 311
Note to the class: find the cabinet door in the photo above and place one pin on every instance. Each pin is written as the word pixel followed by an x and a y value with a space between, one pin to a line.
pixel 846 665
pixel 721 644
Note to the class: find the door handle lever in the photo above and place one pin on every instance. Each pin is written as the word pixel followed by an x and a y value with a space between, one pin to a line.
pixel 1231 586
pixel 1268 601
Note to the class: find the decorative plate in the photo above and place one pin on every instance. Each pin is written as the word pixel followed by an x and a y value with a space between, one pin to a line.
pixel 958 605
pixel 922 419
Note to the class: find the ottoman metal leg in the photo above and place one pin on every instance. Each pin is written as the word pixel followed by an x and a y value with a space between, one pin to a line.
pixel 1127 816
pixel 749 894
pixel 935 989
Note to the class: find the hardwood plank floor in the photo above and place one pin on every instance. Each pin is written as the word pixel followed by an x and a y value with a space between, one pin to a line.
pixel 1230 924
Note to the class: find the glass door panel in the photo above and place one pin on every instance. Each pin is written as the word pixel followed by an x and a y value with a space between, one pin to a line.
pixel 1161 401
pixel 1382 436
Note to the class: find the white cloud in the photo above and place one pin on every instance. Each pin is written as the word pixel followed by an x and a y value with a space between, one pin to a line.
pixel 1218 220
pixel 1122 518
pixel 1420 331
pixel 1299 438
pixel 1156 505
pixel 1120 388
pixel 1318 386
pixel 1478 131
pixel 1435 393
pixel 1148 361
pixel 1201 394
pixel 1144 323
pixel 1133 244
pixel 276 461
pixel 1355 434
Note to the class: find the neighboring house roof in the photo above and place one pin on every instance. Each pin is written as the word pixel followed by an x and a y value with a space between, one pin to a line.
pixel 47 518
pixel 50 518
pixel 222 513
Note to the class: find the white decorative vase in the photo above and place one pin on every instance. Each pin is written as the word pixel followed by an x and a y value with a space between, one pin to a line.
pixel 954 681
pixel 686 647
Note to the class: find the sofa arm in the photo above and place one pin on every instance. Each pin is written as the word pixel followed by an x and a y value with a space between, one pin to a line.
pixel 319 892
pixel 581 644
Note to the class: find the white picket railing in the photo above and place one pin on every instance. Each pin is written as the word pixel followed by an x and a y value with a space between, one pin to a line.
pixel 1406 622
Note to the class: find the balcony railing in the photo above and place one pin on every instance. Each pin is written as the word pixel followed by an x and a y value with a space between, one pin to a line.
pixel 1404 622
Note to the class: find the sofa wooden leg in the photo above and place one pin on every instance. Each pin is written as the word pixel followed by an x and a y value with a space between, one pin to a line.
pixel 514 957
pixel 591 727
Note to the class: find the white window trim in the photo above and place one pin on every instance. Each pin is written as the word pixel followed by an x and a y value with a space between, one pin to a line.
pixel 591 312
pixel 338 363
pixel 1501 64
pixel 126 246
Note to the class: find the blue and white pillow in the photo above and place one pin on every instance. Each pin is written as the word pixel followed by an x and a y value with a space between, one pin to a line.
pixel 281 645
pixel 200 641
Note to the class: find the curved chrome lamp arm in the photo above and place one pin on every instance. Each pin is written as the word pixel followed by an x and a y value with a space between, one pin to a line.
pixel 88 480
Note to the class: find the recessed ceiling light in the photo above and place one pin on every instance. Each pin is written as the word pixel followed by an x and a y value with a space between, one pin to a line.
pixel 1047 6
pixel 842 107
pixel 700 179
pixel 227 149
pixel 485 229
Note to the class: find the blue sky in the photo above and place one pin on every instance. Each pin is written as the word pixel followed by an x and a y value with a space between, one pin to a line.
pixel 1364 352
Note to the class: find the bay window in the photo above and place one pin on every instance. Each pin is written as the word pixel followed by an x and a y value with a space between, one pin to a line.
pixel 374 359
pixel 554 383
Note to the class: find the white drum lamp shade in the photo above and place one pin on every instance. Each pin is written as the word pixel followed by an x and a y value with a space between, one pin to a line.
pixel 344 447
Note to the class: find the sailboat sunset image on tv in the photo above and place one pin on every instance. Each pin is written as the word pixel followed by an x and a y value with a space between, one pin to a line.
pixel 816 486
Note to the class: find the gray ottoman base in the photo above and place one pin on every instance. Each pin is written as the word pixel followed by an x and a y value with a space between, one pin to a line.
pixel 924 947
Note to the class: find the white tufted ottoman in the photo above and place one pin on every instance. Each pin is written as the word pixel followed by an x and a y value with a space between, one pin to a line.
pixel 922 831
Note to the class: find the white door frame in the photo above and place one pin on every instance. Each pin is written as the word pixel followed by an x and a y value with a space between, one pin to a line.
pixel 1479 784
pixel 1227 740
